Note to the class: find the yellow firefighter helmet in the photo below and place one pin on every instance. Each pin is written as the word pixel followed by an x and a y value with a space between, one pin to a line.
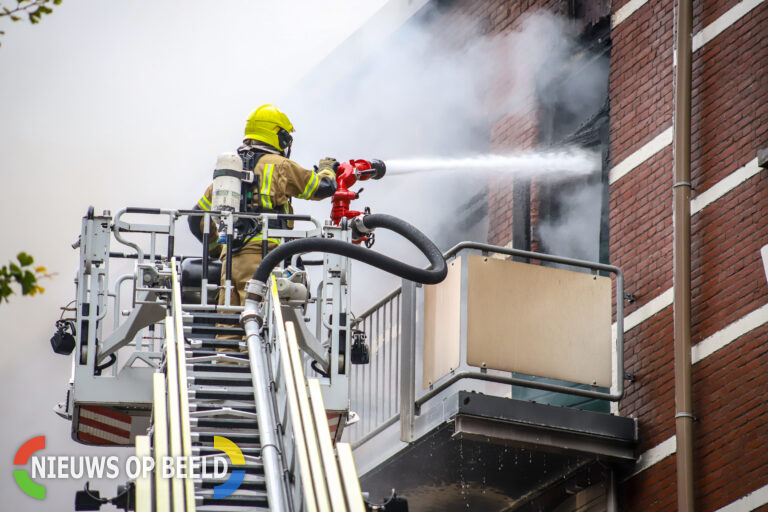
pixel 269 125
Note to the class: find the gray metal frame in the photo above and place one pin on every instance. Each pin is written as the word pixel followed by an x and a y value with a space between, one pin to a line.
pixel 411 317
pixel 125 383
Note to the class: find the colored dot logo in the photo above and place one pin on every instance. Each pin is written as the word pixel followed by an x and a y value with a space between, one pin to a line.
pixel 22 477
pixel 238 475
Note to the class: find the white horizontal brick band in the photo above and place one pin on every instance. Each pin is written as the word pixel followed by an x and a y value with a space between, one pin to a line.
pixel 625 11
pixel 718 26
pixel 724 186
pixel 751 501
pixel 654 455
pixel 730 333
pixel 652 147
pixel 646 311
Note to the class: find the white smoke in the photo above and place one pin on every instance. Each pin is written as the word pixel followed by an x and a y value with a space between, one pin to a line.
pixel 425 102
pixel 570 235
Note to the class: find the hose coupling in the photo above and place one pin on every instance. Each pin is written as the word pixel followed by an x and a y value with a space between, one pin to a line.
pixel 359 229
pixel 255 290
pixel 252 313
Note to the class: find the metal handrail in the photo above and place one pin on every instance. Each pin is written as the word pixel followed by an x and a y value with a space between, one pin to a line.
pixel 391 295
pixel 302 441
pixel 306 450
pixel 143 493
pixel 263 393
pixel 174 408
pixel 160 441
pixel 180 348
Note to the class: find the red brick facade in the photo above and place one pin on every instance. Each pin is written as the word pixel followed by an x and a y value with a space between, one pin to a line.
pixel 729 125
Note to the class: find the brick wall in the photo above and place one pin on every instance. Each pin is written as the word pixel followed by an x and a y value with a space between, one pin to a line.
pixel 729 123
pixel 641 229
pixel 640 84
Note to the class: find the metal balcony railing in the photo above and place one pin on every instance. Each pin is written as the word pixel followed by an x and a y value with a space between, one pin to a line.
pixel 385 391
pixel 375 390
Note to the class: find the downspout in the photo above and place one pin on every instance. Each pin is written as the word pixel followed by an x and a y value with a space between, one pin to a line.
pixel 682 257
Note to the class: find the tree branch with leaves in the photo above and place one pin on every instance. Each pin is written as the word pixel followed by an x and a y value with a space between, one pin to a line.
pixel 32 10
pixel 21 275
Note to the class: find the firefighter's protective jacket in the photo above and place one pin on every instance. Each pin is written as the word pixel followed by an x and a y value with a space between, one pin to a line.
pixel 278 179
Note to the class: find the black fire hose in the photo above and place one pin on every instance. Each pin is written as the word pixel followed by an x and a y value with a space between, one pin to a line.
pixel 434 274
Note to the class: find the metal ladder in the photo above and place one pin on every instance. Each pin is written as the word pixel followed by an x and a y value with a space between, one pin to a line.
pixel 207 397
pixel 221 403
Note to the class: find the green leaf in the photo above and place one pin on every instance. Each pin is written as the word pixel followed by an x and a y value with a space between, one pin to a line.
pixel 15 270
pixel 56 2
pixel 5 291
pixel 28 282
pixel 25 259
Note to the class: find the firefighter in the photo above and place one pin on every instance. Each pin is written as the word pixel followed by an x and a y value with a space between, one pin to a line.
pixel 266 150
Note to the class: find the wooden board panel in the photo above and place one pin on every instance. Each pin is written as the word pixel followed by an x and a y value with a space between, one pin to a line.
pixel 539 321
pixel 442 325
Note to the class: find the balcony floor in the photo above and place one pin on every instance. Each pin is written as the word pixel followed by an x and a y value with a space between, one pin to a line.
pixel 498 454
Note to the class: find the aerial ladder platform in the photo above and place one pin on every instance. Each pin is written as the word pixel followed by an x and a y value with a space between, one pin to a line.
pixel 158 365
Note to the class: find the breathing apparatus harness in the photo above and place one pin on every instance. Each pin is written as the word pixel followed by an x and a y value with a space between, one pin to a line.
pixel 244 195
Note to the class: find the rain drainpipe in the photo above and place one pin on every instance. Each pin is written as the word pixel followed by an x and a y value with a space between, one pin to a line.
pixel 682 257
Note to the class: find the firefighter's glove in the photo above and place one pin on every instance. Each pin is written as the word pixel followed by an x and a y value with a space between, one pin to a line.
pixel 328 163
pixel 327 186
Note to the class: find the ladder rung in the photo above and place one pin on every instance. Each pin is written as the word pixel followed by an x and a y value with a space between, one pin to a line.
pixel 252 454
pixel 215 329
pixel 242 501
pixel 209 505
pixel 229 368
pixel 237 407
pixel 221 423
pixel 245 394
pixel 213 343
pixel 250 468
pixel 241 491
pixel 223 412
pixel 207 352
pixel 252 482
pixel 221 379
pixel 217 317
pixel 235 437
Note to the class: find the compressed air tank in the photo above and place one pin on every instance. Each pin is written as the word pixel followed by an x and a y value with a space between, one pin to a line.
pixel 227 182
